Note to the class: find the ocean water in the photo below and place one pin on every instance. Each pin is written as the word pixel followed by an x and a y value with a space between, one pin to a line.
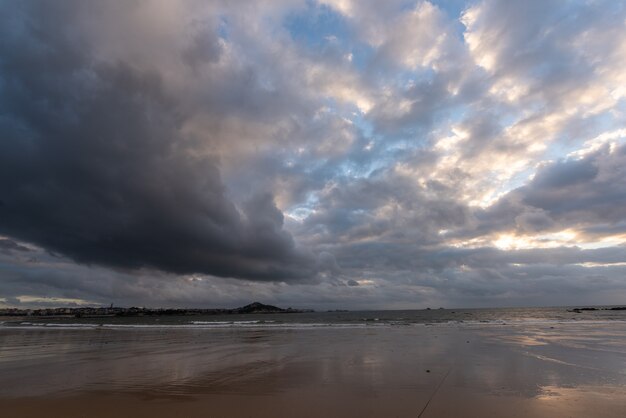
pixel 351 319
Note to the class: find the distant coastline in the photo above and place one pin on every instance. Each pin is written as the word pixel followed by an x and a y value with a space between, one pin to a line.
pixel 252 308
pixel 96 312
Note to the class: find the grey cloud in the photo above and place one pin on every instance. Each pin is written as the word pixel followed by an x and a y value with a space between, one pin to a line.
pixel 386 206
pixel 419 259
pixel 205 46
pixel 485 136
pixel 426 101
pixel 592 189
pixel 7 246
pixel 448 277
pixel 583 193
pixel 566 174
pixel 534 221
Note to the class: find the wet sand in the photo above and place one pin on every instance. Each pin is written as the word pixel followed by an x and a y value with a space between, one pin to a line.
pixel 575 370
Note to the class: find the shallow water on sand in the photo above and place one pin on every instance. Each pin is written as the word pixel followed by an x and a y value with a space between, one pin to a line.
pixel 446 369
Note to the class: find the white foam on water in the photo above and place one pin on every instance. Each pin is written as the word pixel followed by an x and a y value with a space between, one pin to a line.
pixel 260 324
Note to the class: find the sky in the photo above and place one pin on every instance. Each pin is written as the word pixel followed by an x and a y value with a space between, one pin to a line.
pixel 322 154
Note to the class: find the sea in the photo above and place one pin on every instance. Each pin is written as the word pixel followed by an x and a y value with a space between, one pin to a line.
pixel 336 319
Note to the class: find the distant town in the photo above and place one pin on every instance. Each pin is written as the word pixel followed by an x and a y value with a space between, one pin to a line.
pixel 94 312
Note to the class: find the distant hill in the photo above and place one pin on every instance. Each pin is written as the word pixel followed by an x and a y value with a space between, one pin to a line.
pixel 258 307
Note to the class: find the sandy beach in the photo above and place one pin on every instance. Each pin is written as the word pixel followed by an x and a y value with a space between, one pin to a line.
pixel 574 370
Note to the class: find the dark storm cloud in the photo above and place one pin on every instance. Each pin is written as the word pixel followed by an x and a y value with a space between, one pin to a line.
pixel 93 164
